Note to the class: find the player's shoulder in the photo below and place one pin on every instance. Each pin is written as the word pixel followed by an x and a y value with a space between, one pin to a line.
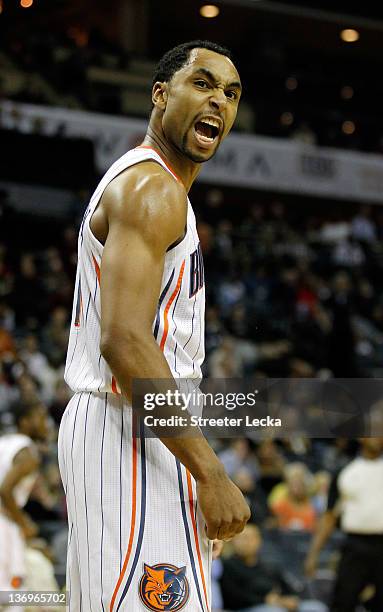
pixel 148 198
pixel 144 180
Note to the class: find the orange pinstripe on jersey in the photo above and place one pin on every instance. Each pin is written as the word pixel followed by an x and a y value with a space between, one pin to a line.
pixel 170 302
pixel 191 504
pixel 97 268
pixel 78 310
pixel 114 385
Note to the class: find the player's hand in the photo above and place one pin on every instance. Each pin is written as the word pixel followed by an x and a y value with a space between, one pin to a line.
pixel 223 507
pixel 311 564
pixel 29 528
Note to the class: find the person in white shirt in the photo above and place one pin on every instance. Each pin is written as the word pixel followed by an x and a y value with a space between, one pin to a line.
pixel 356 499
pixel 19 463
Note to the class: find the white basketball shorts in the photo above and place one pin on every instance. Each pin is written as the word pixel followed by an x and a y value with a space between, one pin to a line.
pixel 136 538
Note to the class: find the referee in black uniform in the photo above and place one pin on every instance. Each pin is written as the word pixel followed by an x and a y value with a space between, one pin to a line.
pixel 356 498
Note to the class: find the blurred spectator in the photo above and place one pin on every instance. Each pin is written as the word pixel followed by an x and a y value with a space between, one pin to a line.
pixel 291 503
pixel 38 366
pixel 28 295
pixel 348 253
pixel 362 226
pixel 271 464
pixel 7 317
pixel 342 339
pixel 228 360
pixel 250 585
pixel 55 336
pixel 7 345
pixel 230 292
pixel 335 230
pixel 238 458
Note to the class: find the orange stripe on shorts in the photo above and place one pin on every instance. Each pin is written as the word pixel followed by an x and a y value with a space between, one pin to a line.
pixel 133 516
pixel 191 508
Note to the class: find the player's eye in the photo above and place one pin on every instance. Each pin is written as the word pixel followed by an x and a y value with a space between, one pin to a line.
pixel 201 83
pixel 232 95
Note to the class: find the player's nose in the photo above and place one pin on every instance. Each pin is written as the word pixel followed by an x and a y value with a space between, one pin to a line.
pixel 218 100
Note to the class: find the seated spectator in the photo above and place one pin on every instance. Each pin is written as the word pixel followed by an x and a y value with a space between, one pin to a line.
pixel 38 366
pixel 239 457
pixel 271 464
pixel 290 502
pixel 362 227
pixel 55 336
pixel 226 361
pixel 250 585
pixel 7 344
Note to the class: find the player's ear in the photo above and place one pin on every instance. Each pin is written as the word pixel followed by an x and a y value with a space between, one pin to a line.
pixel 160 95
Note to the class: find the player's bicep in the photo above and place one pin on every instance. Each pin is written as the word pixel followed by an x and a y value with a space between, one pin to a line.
pixel 146 214
pixel 131 274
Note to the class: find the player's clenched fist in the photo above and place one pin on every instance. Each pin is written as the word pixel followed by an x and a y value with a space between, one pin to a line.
pixel 223 506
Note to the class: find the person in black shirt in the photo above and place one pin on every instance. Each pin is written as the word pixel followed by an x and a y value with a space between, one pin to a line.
pixel 249 585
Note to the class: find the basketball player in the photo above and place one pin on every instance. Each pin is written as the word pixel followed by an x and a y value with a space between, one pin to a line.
pixel 143 512
pixel 19 461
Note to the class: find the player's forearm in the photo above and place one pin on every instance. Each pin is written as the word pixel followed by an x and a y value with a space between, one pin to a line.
pixel 197 456
pixel 142 358
pixel 137 356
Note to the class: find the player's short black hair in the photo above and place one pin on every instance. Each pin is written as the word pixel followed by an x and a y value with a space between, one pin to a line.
pixel 176 58
pixel 23 409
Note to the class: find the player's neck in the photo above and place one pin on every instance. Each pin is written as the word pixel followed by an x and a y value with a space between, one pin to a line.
pixel 185 169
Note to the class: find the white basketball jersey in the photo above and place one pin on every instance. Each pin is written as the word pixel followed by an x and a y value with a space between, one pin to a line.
pixel 10 445
pixel 179 323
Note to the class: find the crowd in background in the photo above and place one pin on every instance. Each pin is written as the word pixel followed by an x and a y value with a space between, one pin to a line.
pixel 287 296
pixel 78 68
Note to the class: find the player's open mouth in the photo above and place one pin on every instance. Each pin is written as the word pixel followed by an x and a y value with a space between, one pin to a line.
pixel 206 132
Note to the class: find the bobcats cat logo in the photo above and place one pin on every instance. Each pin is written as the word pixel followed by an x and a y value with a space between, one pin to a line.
pixel 164 587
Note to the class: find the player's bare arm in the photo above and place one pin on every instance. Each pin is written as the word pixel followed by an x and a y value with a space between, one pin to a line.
pixel 141 215
pixel 25 463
